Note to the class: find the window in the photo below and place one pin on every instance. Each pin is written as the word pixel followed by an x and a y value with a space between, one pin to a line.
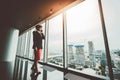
pixel 85 44
pixel 111 14
pixel 55 41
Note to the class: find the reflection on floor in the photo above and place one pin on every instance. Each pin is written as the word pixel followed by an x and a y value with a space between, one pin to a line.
pixel 34 75
pixel 23 71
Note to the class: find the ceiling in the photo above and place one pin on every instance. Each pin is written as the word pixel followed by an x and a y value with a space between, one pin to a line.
pixel 23 14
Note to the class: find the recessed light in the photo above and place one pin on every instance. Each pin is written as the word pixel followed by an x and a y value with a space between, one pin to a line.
pixel 51 11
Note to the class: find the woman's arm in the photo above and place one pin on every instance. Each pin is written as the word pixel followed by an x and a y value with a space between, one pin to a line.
pixel 34 40
pixel 43 36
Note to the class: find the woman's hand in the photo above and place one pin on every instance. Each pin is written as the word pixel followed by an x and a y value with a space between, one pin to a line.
pixel 35 48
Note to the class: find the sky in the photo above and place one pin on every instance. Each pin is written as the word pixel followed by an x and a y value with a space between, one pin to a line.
pixel 112 20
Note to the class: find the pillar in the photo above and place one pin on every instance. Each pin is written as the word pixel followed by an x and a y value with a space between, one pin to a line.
pixel 8 47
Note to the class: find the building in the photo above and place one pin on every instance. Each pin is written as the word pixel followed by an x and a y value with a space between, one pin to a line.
pixel 80 56
pixel 70 53
pixel 91 53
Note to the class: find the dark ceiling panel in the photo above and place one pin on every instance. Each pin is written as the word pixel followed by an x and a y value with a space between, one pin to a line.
pixel 23 14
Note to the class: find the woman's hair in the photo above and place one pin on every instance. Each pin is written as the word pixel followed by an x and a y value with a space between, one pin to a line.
pixel 38 26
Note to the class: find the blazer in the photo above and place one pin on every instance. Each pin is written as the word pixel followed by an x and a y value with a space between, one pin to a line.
pixel 37 39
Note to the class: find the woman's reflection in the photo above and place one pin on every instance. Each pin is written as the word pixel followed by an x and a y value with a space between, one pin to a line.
pixel 34 74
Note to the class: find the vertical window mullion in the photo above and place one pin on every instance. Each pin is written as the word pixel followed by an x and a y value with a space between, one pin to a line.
pixel 45 55
pixel 65 56
pixel 64 41
pixel 106 41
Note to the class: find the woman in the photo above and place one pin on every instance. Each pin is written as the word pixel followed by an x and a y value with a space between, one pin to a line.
pixel 38 36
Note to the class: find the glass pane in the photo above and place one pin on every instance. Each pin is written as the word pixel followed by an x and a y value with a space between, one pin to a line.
pixel 112 19
pixel 31 51
pixel 86 50
pixel 22 45
pixel 18 46
pixel 25 44
pixel 55 41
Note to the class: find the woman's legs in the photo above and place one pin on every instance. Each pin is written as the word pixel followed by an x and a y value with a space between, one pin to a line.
pixel 34 66
pixel 37 55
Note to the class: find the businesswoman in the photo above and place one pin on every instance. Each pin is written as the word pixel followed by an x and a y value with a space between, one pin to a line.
pixel 38 36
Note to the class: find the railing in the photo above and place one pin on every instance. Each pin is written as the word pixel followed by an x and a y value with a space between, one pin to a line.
pixel 65 70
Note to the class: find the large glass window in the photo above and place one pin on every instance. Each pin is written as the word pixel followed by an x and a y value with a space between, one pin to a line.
pixel 112 19
pixel 85 43
pixel 31 51
pixel 22 45
pixel 55 41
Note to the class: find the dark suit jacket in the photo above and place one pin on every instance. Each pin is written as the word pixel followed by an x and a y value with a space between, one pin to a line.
pixel 37 40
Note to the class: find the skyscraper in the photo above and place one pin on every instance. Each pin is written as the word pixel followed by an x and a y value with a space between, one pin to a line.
pixel 91 52
pixel 70 54
pixel 80 57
